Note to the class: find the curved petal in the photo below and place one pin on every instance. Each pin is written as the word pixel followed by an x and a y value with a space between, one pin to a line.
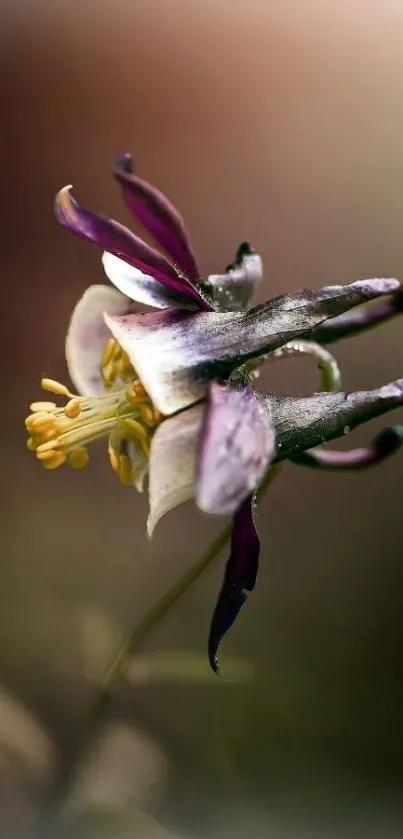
pixel 303 423
pixel 233 290
pixel 237 445
pixel 386 443
pixel 155 213
pixel 239 579
pixel 359 320
pixel 173 463
pixel 118 240
pixel 87 334
pixel 142 287
pixel 178 353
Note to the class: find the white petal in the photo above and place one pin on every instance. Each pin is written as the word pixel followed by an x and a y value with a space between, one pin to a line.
pixel 234 289
pixel 87 334
pixel 140 287
pixel 173 463
pixel 158 345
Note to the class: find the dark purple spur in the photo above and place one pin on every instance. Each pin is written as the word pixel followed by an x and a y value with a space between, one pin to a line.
pixel 173 391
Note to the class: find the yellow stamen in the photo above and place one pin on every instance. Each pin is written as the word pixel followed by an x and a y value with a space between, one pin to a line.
pixel 125 470
pixel 55 387
pixel 79 457
pixel 50 456
pixel 114 458
pixel 53 463
pixel 117 351
pixel 42 406
pixel 47 446
pixel 136 431
pixel 72 409
pixel 115 364
pixel 147 414
pixel 108 352
pixel 61 434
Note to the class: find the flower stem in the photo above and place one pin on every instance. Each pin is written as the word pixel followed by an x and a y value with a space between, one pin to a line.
pixel 115 675
pixel 117 671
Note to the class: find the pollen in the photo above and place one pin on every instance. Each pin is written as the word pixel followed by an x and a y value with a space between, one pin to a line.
pixel 125 416
pixel 72 409
pixel 115 364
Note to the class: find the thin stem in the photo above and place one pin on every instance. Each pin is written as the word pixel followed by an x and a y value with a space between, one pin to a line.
pixel 157 613
pixel 330 376
pixel 118 669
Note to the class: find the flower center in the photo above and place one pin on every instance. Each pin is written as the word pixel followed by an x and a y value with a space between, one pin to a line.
pixel 125 415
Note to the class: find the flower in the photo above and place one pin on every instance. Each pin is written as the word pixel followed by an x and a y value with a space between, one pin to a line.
pixel 173 390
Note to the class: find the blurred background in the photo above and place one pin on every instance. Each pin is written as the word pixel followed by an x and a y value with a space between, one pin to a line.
pixel 279 122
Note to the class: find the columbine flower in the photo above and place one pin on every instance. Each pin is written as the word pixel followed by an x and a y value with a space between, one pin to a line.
pixel 172 390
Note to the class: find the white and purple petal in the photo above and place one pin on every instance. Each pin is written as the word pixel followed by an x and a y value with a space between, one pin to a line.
pixel 237 443
pixel 87 335
pixel 113 237
pixel 239 578
pixel 178 353
pixel 383 445
pixel 305 422
pixel 233 290
pixel 155 213
pixel 359 320
pixel 142 287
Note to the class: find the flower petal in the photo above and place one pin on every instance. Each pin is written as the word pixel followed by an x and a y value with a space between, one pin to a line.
pixel 233 290
pixel 142 287
pixel 237 444
pixel 155 213
pixel 87 334
pixel 359 320
pixel 178 353
pixel 302 423
pixel 118 240
pixel 239 579
pixel 173 463
pixel 386 443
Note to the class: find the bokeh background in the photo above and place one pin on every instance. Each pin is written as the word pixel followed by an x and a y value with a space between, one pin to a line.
pixel 280 122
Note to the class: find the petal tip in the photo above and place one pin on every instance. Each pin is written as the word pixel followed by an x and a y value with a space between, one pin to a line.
pixel 381 285
pixel 124 163
pixel 63 201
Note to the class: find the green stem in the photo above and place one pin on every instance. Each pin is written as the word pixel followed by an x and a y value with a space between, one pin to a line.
pixel 118 669
pixel 330 376
pixel 157 613
pixel 117 672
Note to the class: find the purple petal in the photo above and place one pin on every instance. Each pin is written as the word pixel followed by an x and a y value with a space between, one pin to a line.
pixel 118 240
pixel 237 445
pixel 303 423
pixel 386 443
pixel 239 579
pixel 153 211
pixel 140 287
pixel 359 320
pixel 178 353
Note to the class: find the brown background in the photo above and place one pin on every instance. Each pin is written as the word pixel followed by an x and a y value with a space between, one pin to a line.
pixel 282 123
